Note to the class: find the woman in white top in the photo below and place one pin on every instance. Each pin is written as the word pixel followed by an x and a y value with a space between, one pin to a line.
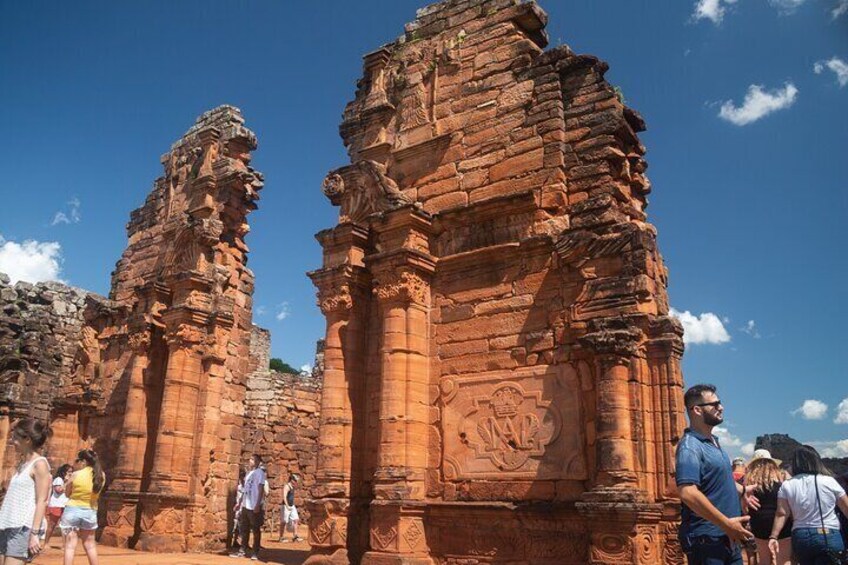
pixel 811 498
pixel 58 499
pixel 26 497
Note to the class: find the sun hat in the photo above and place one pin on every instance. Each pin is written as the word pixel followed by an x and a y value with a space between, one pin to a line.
pixel 764 454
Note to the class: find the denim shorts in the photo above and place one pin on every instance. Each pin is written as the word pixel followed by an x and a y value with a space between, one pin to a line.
pixel 14 542
pixel 78 518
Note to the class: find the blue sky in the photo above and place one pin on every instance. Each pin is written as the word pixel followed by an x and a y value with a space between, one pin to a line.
pixel 746 145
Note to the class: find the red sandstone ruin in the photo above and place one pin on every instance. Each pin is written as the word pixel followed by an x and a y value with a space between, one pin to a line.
pixel 502 379
pixel 167 379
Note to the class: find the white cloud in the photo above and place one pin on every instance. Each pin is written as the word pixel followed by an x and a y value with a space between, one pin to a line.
pixel 842 412
pixel 840 9
pixel 283 311
pixel 306 369
pixel 747 449
pixel 811 410
pixel 833 449
pixel 726 438
pixel 260 310
pixel 750 328
pixel 706 328
pixel 712 10
pixel 31 261
pixel 835 64
pixel 758 104
pixel 786 7
pixel 71 217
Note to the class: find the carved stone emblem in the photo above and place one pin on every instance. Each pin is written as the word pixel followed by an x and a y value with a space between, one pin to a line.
pixel 502 427
pixel 509 426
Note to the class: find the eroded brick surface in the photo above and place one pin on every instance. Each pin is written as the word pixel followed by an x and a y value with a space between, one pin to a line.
pixel 502 379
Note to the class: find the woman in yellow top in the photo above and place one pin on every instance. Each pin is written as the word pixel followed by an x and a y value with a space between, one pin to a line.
pixel 79 520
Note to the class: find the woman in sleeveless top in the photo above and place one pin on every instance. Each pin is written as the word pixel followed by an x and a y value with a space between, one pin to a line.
pixel 765 476
pixel 290 517
pixel 79 520
pixel 26 497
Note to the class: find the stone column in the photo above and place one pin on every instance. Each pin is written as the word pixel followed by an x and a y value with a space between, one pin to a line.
pixel 615 461
pixel 128 472
pixel 403 299
pixel 164 517
pixel 122 498
pixel 403 274
pixel 344 298
pixel 616 504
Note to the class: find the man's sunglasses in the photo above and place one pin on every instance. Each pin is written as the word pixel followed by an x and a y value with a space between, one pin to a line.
pixel 715 404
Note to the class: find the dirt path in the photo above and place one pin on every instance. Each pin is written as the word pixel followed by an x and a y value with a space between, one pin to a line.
pixel 273 552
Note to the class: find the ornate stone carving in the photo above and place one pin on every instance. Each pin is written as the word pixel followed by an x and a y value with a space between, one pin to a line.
pixel 363 189
pixel 404 286
pixel 497 428
pixel 335 300
pixel 414 534
pixel 611 548
pixel 647 545
pixel 384 537
pixel 139 341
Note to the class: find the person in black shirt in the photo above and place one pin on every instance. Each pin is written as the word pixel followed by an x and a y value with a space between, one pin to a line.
pixel 765 476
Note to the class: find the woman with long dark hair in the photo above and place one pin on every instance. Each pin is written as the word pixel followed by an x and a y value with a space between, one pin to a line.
pixel 810 498
pixel 79 521
pixel 25 502
pixel 58 499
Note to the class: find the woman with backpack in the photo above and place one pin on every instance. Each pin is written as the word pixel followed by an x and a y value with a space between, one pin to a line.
pixel 810 498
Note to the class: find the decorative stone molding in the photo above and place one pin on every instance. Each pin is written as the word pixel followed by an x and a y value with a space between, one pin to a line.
pixel 335 300
pixel 363 189
pixel 139 341
pixel 406 286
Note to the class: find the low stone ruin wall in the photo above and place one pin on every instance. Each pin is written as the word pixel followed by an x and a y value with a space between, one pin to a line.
pixel 281 424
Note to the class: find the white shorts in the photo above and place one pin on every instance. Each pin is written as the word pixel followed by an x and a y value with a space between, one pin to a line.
pixel 290 514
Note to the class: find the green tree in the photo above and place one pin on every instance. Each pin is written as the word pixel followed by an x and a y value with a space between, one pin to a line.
pixel 282 367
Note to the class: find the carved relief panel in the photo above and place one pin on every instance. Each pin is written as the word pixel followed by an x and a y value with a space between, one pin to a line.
pixel 523 424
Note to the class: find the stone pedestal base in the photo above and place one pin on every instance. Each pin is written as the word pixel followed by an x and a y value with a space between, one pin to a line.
pixel 375 558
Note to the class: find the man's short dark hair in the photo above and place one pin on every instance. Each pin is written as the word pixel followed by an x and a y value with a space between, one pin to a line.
pixel 257 459
pixel 696 393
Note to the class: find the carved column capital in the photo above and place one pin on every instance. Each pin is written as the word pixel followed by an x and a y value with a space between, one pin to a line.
pixel 404 287
pixel 614 340
pixel 336 300
pixel 139 341
pixel 185 336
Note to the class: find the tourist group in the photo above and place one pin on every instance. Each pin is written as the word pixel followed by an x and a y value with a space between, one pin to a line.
pixel 249 510
pixel 765 511
pixel 34 504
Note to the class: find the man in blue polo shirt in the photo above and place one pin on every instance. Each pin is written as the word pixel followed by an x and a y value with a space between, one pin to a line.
pixel 712 525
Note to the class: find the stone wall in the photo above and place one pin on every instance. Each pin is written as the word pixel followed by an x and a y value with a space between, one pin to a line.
pixel 281 415
pixel 46 369
pixel 501 375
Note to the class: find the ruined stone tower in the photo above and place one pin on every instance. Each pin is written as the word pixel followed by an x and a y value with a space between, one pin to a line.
pixel 154 377
pixel 502 379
